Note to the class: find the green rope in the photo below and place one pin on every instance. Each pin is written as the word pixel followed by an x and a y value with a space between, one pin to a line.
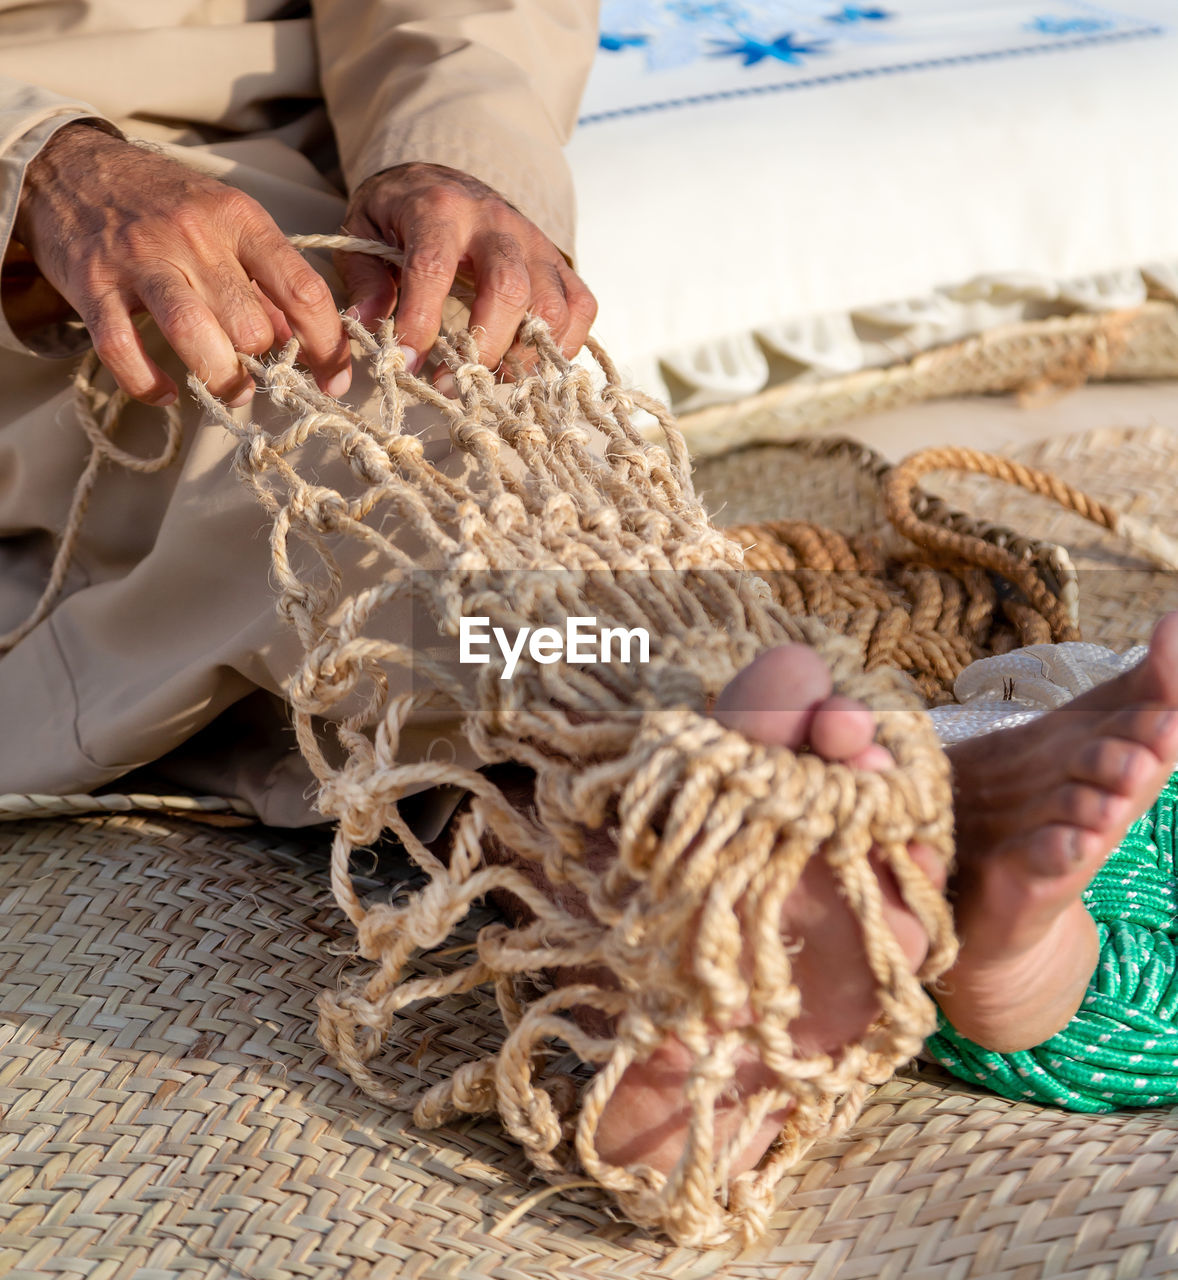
pixel 1121 1048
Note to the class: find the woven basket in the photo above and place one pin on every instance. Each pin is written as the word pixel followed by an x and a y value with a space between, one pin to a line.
pixel 1028 358
pixel 168 1115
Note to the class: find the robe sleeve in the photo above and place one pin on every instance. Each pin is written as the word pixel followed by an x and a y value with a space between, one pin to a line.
pixel 488 87
pixel 29 117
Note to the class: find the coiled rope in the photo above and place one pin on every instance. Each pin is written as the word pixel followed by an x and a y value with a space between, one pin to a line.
pixel 1121 1048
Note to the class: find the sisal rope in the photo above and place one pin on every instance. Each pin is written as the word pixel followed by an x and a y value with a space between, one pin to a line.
pixel 712 830
pixel 97 414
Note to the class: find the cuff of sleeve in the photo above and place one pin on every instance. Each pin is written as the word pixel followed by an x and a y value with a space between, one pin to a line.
pixel 17 150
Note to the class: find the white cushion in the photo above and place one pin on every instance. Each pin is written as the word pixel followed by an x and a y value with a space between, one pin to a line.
pixel 878 177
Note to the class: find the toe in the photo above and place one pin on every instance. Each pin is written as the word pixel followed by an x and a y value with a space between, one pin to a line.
pixel 1152 727
pixel 1060 849
pixel 910 933
pixel 1116 765
pixel 774 698
pixel 931 863
pixel 872 759
pixel 1091 808
pixel 1159 672
pixel 842 729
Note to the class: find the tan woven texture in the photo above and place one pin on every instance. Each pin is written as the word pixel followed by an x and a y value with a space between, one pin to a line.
pixel 166 1112
pixel 1028 358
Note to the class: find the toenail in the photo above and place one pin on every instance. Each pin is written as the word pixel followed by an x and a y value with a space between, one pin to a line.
pixel 1059 854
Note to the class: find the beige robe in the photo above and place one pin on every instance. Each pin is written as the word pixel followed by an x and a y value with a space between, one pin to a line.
pixel 165 649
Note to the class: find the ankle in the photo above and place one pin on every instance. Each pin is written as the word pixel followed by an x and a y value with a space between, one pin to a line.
pixel 1013 1003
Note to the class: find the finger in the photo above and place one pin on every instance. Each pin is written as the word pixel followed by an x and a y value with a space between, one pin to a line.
pixel 231 296
pixel 549 302
pixel 582 307
pixel 503 289
pixel 282 331
pixel 194 334
pixel 569 316
pixel 432 253
pixel 368 283
pixel 302 295
pixel 119 346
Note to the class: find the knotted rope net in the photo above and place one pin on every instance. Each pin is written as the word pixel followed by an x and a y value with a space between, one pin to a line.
pixel 563 509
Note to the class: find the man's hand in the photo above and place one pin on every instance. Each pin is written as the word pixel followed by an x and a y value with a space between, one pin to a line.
pixel 448 222
pixel 117 229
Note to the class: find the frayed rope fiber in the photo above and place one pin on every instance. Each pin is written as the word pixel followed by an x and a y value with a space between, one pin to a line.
pixel 1121 1048
pixel 564 509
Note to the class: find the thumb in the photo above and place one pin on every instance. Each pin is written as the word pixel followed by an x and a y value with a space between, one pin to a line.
pixel 369 286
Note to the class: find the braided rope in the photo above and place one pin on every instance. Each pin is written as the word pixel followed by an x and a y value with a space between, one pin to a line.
pixel 1027 357
pixel 1121 1048
pixel 97 414
pixel 942 598
pixel 19 807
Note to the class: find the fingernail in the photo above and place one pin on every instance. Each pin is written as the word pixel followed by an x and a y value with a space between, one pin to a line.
pixel 337 385
pixel 411 359
pixel 242 398
pixel 169 397
pixel 447 386
pixel 353 313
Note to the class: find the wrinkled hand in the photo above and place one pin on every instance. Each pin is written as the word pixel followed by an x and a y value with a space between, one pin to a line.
pixel 448 222
pixel 117 230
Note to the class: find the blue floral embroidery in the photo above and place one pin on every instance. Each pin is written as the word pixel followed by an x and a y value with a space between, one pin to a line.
pixel 671 33
pixel 785 48
pixel 675 34
pixel 852 13
pixel 708 11
pixel 616 43
pixel 1067 26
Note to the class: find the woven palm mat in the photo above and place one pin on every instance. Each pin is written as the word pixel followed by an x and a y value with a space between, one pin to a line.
pixel 165 1111
pixel 1135 469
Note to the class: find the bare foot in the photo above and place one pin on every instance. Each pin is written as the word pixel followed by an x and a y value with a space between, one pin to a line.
pixel 783 698
pixel 1038 809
